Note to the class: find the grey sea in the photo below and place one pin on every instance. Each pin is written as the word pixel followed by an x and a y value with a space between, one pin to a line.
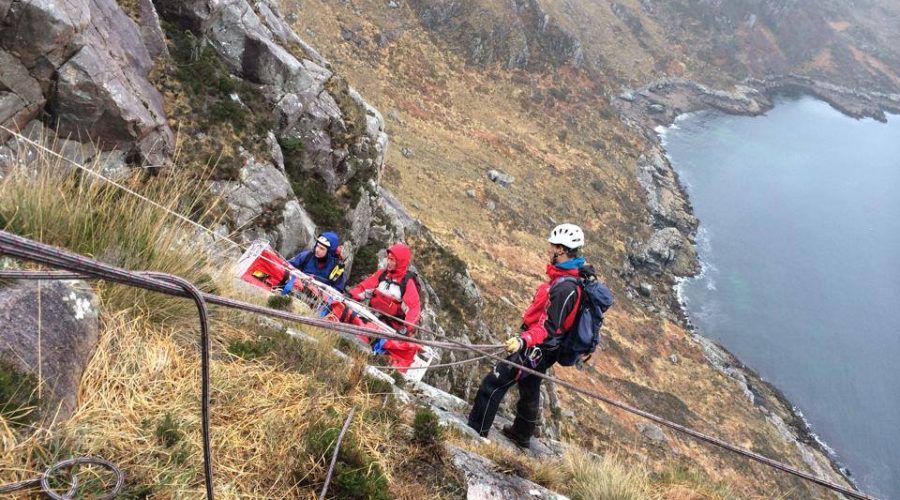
pixel 800 243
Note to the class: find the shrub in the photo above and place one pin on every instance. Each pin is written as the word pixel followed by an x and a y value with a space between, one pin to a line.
pixel 280 302
pixel 427 427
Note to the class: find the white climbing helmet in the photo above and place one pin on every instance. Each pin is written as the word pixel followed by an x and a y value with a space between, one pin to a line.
pixel 567 235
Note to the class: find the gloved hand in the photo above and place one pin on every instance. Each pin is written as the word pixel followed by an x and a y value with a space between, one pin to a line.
pixel 378 346
pixel 403 331
pixel 287 286
pixel 514 344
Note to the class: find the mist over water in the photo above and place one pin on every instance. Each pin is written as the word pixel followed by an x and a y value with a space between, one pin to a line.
pixel 800 239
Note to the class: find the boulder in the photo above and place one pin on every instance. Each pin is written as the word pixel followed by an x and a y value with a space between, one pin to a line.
pixel 50 336
pixel 652 432
pixel 484 480
pixel 262 206
pixel 500 177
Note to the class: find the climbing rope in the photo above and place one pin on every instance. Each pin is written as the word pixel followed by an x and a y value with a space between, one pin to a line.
pixel 23 248
pixel 337 448
pixel 44 479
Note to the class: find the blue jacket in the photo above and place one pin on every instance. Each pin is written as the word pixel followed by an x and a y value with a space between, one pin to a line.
pixel 323 270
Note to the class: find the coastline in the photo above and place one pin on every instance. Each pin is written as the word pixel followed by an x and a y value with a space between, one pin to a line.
pixel 650 110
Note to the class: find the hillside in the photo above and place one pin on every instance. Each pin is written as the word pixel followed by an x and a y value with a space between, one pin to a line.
pixel 277 118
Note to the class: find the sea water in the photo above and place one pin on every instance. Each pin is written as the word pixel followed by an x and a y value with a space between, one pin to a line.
pixel 800 242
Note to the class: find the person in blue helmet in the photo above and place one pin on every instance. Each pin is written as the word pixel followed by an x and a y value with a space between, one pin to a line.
pixel 323 261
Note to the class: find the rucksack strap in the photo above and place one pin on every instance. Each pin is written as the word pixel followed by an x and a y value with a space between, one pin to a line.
pixel 569 321
pixel 402 283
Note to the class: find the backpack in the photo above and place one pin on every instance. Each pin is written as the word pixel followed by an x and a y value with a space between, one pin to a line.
pixel 584 335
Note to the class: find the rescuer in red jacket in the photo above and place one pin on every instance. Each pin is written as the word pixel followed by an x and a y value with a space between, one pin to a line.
pixel 393 293
pixel 550 315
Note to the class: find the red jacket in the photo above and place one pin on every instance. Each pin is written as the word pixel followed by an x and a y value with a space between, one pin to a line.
pixel 553 308
pixel 384 295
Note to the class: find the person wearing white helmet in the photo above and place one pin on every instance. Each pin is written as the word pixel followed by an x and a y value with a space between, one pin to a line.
pixel 550 315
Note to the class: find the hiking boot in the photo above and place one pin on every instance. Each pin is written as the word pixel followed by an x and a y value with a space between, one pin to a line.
pixel 508 431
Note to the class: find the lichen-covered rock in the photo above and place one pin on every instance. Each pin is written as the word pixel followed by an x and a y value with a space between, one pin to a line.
pixel 263 206
pixel 49 330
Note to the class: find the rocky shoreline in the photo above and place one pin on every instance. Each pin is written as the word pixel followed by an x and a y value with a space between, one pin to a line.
pixel 670 252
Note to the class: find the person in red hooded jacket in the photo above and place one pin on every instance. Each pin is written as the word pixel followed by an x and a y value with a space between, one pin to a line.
pixel 392 292
pixel 550 315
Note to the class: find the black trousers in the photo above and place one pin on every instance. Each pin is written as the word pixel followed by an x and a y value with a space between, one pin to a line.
pixel 493 388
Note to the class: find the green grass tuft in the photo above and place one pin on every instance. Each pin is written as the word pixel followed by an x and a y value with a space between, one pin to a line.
pixel 167 431
pixel 18 396
pixel 356 474
pixel 279 302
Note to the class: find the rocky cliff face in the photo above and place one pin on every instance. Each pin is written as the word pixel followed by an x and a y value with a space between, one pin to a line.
pixel 709 40
pixel 519 34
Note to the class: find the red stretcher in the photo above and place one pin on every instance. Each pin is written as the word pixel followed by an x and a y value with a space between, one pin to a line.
pixel 263 267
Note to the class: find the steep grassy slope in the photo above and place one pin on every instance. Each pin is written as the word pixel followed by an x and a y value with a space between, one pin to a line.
pixel 572 161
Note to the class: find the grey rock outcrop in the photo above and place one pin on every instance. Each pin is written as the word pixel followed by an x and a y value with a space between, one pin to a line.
pixel 341 134
pixel 52 337
pixel 520 34
pixel 483 481
pixel 21 98
pixel 263 206
pixel 665 200
pixel 90 64
pixel 667 250
pixel 151 29
pixel 397 215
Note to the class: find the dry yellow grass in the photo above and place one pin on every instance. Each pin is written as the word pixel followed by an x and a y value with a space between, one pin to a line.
pixel 51 201
pixel 262 414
